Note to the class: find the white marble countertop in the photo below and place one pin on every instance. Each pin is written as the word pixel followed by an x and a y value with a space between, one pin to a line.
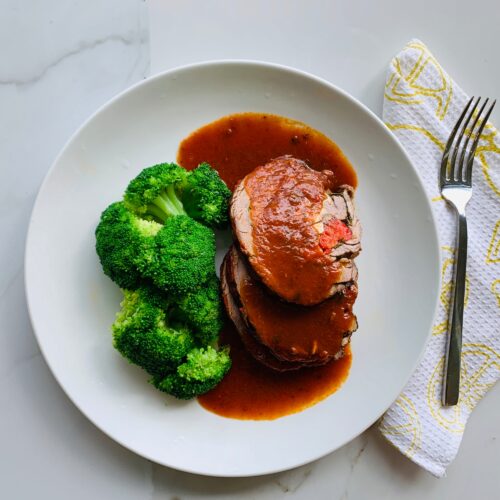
pixel 59 61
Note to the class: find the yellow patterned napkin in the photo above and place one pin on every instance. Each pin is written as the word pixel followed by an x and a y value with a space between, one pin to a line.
pixel 421 105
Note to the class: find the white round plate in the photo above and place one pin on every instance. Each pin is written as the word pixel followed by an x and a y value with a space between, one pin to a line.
pixel 72 304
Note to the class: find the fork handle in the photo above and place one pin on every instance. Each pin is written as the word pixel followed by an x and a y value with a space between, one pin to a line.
pixel 451 388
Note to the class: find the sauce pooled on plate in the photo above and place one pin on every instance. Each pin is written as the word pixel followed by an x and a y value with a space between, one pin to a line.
pixel 235 145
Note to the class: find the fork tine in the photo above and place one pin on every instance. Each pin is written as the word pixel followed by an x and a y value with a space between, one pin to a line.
pixel 444 161
pixel 470 158
pixel 454 173
pixel 461 170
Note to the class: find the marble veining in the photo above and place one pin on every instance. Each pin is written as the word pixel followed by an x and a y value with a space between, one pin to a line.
pixel 82 47
pixel 291 481
pixel 353 462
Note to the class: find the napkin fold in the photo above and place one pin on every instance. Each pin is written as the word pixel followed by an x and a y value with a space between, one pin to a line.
pixel 421 105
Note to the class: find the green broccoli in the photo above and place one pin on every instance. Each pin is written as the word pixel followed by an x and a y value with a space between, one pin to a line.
pixel 156 246
pixel 153 193
pixel 181 257
pixel 166 190
pixel 206 197
pixel 143 334
pixel 201 372
pixel 201 310
pixel 120 239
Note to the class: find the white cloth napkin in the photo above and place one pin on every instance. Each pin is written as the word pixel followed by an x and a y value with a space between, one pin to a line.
pixel 421 105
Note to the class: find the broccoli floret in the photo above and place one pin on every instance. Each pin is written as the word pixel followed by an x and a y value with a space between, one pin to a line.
pixel 153 193
pixel 201 309
pixel 206 197
pixel 120 239
pixel 201 372
pixel 162 254
pixel 181 257
pixel 143 334
pixel 177 256
pixel 166 190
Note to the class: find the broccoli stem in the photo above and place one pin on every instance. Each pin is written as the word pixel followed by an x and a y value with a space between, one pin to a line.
pixel 166 205
pixel 172 196
pixel 157 212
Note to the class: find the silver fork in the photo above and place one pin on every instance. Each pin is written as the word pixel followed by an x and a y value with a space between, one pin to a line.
pixel 456 188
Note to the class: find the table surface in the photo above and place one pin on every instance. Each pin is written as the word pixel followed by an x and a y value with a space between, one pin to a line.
pixel 59 61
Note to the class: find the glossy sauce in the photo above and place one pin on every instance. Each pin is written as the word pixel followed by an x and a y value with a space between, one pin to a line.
pixel 235 145
pixel 286 203
pixel 251 391
pixel 295 333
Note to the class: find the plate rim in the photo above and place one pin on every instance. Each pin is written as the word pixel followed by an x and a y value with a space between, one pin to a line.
pixel 205 64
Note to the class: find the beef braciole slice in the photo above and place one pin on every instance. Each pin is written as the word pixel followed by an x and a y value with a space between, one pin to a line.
pixel 299 233
pixel 293 333
pixel 231 302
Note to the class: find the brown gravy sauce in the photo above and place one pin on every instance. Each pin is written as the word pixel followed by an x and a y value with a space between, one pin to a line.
pixel 235 145
pixel 251 391
pixel 287 199
pixel 294 332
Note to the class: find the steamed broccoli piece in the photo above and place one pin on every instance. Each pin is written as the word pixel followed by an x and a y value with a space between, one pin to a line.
pixel 201 372
pixel 120 239
pixel 206 197
pixel 166 190
pixel 201 309
pixel 153 193
pixel 181 257
pixel 143 334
